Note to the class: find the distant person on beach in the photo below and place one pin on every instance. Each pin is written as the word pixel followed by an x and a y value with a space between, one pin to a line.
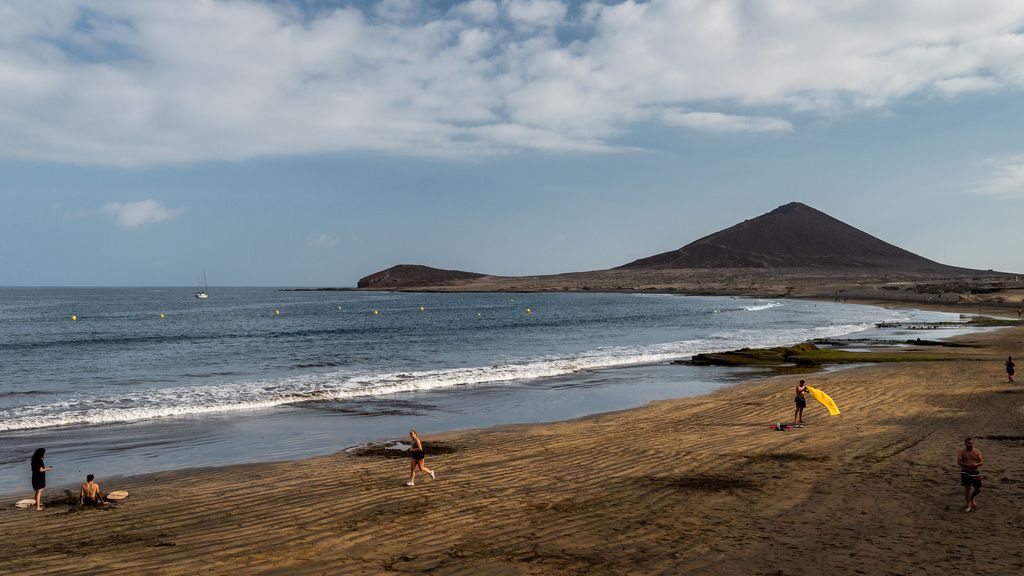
pixel 1010 366
pixel 39 471
pixel 418 459
pixel 970 460
pixel 90 493
pixel 801 403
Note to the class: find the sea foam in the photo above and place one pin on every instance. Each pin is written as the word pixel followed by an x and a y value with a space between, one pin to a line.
pixel 184 401
pixel 765 306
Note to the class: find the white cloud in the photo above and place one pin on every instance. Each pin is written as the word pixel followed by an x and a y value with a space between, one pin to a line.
pixel 137 83
pixel 1006 178
pixel 397 10
pixel 135 214
pixel 323 240
pixel 476 10
pixel 718 122
pixel 536 12
pixel 966 84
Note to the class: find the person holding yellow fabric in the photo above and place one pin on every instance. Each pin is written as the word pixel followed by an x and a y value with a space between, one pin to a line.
pixel 801 403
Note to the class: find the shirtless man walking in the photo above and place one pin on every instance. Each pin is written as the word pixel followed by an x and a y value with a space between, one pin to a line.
pixel 970 461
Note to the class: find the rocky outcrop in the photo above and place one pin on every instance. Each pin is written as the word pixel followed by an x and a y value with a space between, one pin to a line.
pixel 412 275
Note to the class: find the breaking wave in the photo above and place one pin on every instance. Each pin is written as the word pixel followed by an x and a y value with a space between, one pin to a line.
pixel 184 401
pixel 765 306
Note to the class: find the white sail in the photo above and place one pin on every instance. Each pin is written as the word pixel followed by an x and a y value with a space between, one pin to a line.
pixel 202 294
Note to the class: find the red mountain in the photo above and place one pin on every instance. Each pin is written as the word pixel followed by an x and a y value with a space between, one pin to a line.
pixel 791 236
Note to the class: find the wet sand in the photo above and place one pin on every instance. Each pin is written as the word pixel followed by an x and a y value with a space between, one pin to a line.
pixel 697 485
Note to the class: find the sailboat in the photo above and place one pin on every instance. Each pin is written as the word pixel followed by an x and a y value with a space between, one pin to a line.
pixel 201 294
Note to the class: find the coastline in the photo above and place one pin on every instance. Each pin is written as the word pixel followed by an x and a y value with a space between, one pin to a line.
pixel 688 484
pixel 306 429
pixel 496 372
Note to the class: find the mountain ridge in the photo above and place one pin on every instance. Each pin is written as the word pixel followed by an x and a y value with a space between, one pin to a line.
pixel 793 250
pixel 793 235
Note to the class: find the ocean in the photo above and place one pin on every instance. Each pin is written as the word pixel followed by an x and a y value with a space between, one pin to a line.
pixel 150 379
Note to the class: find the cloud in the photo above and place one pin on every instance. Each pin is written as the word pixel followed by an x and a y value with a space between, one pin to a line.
pixel 1006 178
pixel 476 10
pixel 966 84
pixel 323 240
pixel 135 214
pixel 397 10
pixel 535 12
pixel 143 83
pixel 717 122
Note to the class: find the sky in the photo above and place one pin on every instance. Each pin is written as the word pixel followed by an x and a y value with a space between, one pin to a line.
pixel 310 143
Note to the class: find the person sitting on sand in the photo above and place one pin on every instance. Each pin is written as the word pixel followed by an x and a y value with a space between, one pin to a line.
pixel 801 403
pixel 90 493
pixel 970 460
pixel 418 459
pixel 1010 368
pixel 39 471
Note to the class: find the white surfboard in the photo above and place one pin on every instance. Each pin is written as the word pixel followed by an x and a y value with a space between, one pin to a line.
pixel 26 503
pixel 117 495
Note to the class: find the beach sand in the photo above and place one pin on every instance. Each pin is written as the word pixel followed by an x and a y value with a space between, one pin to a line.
pixel 697 485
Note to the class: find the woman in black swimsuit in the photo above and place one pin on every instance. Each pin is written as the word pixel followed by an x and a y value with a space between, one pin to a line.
pixel 1010 368
pixel 39 471
pixel 418 459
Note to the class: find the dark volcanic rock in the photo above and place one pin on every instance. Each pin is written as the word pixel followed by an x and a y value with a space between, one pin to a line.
pixel 412 275
pixel 791 236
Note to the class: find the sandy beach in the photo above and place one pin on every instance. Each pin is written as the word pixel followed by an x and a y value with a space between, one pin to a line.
pixel 698 485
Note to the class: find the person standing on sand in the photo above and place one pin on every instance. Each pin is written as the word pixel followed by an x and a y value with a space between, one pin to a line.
pixel 1010 368
pixel 801 403
pixel 418 459
pixel 970 460
pixel 39 471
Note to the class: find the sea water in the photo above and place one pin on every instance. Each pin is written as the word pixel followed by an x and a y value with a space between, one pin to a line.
pixel 148 379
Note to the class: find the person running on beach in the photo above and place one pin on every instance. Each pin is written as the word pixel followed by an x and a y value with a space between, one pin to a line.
pixel 90 493
pixel 1010 368
pixel 418 459
pixel 39 471
pixel 970 460
pixel 801 403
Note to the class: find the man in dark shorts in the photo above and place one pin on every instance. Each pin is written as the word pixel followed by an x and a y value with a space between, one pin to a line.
pixel 1010 366
pixel 801 403
pixel 970 461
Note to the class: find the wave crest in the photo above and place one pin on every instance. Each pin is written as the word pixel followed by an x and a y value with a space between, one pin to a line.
pixel 343 384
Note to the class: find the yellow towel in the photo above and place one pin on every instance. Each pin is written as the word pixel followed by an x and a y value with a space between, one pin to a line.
pixel 824 399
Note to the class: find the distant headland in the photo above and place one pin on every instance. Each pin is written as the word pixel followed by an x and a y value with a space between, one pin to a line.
pixel 794 250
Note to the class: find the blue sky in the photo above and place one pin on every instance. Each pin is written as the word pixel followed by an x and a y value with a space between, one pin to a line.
pixel 311 143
